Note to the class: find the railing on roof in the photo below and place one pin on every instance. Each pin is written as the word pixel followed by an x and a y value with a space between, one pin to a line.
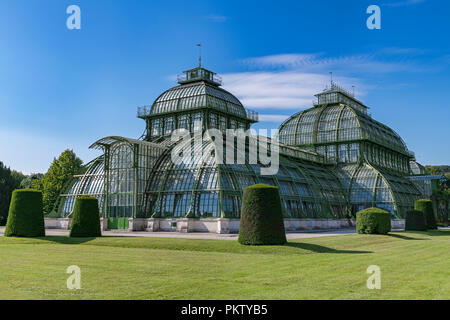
pixel 215 78
pixel 338 88
pixel 144 111
pixel 252 115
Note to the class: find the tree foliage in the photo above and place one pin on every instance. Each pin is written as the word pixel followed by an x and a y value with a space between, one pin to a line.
pixel 31 181
pixel 9 181
pixel 444 170
pixel 61 170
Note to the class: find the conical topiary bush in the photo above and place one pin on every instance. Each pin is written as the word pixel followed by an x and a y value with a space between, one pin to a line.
pixel 426 206
pixel 261 216
pixel 26 217
pixel 85 218
pixel 415 221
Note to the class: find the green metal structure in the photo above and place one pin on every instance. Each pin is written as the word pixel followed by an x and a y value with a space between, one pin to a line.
pixel 334 160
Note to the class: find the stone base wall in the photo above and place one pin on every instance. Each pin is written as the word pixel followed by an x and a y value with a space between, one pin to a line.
pixel 217 225
pixel 57 223
pixel 398 224
pixel 65 223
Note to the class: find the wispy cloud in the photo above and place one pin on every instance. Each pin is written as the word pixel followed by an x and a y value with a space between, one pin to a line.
pixel 403 3
pixel 402 51
pixel 216 18
pixel 368 63
pixel 281 60
pixel 290 81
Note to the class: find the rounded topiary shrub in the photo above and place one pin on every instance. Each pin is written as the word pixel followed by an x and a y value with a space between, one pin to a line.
pixel 373 221
pixel 426 206
pixel 415 221
pixel 261 216
pixel 85 218
pixel 26 217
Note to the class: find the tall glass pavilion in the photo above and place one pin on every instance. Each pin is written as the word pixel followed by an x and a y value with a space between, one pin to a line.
pixel 334 160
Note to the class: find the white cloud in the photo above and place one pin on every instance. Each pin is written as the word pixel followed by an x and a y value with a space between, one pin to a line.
pixel 290 81
pixel 278 89
pixel 272 117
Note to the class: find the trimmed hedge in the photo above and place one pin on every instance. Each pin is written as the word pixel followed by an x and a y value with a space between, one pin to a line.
pixel 261 216
pixel 86 218
pixel 373 221
pixel 426 206
pixel 26 217
pixel 415 221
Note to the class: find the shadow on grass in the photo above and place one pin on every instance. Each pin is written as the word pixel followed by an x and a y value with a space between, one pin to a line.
pixel 431 233
pixel 321 249
pixel 437 233
pixel 66 240
pixel 399 236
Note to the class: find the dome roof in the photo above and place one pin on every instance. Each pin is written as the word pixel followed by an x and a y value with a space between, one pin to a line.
pixel 197 95
pixel 337 123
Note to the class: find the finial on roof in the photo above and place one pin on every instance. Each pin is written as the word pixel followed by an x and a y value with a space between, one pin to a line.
pixel 199 45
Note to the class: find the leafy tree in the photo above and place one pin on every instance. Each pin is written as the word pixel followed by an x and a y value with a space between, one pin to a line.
pixel 9 180
pixel 61 170
pixel 28 182
pixel 18 177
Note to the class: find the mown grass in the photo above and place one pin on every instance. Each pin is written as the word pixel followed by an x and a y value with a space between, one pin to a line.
pixel 414 265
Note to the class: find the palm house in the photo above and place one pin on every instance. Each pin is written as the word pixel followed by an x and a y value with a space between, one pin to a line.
pixel 334 159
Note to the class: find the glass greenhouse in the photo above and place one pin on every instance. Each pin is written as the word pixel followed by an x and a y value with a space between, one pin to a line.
pixel 334 160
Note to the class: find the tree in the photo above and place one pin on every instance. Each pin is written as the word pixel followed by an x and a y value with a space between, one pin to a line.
pixel 61 170
pixel 29 181
pixel 9 181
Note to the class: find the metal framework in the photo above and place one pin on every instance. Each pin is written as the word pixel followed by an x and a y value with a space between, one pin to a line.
pixel 370 158
pixel 334 160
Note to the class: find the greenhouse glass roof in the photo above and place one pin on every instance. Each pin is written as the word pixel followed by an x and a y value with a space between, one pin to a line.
pixel 337 123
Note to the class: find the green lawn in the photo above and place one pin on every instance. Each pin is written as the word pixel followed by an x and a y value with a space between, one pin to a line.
pixel 413 266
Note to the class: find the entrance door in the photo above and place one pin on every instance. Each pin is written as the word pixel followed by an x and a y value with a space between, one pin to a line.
pixel 118 223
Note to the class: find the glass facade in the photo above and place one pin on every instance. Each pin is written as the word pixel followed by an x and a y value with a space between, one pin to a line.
pixel 91 182
pixel 334 160
pixel 205 189
pixel 370 159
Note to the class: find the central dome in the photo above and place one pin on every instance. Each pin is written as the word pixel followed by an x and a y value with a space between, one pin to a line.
pixel 197 100
pixel 196 95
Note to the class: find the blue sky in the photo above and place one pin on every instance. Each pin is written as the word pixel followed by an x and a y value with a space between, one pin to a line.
pixel 62 88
